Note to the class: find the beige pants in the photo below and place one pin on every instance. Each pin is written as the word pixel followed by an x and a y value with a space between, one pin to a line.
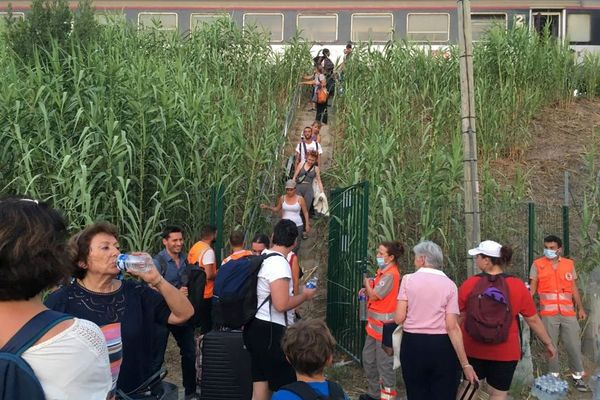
pixel 568 329
pixel 379 368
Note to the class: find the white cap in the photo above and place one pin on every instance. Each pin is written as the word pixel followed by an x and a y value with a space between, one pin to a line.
pixel 487 247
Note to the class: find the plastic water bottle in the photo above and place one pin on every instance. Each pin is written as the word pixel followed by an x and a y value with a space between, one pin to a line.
pixel 312 283
pixel 139 263
pixel 548 387
pixel 362 306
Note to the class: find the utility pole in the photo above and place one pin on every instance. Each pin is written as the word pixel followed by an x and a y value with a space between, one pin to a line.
pixel 469 137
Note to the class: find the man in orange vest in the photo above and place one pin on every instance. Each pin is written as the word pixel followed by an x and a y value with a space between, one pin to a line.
pixel 554 279
pixel 203 254
pixel 382 293
pixel 236 241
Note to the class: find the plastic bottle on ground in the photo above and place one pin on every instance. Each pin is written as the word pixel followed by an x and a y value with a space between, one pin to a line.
pixel 135 263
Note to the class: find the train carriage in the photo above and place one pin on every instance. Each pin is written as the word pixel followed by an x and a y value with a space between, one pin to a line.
pixel 333 24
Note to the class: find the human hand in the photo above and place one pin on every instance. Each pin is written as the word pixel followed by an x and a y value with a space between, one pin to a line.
pixel 581 314
pixel 184 290
pixel 362 292
pixel 264 206
pixel 470 374
pixel 551 350
pixel 366 282
pixel 309 293
pixel 307 230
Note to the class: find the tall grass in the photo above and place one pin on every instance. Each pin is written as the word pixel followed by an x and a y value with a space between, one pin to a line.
pixel 400 124
pixel 136 127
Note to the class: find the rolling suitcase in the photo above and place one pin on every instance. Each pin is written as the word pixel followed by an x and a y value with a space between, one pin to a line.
pixel 226 370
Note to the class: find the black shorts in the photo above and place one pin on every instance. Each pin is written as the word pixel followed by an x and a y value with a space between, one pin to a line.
pixel 498 374
pixel 263 341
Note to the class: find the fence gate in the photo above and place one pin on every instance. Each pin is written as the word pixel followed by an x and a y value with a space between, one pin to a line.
pixel 348 237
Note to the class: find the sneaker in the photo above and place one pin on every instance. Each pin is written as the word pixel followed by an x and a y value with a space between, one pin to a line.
pixel 580 385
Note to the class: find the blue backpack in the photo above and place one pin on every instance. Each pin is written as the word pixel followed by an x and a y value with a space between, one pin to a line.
pixel 234 296
pixel 17 379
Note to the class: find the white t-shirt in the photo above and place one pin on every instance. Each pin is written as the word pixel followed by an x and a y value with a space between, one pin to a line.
pixel 208 257
pixel 309 147
pixel 273 268
pixel 72 365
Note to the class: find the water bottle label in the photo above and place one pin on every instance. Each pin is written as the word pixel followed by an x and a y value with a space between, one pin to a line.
pixel 121 262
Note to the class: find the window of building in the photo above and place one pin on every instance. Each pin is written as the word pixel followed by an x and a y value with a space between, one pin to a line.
pixel 199 19
pixel 269 23
pixel 482 23
pixel 428 27
pixel 160 21
pixel 579 27
pixel 107 18
pixel 318 28
pixel 372 27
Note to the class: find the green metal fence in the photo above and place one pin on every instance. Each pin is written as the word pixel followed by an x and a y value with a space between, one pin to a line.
pixel 348 240
pixel 217 207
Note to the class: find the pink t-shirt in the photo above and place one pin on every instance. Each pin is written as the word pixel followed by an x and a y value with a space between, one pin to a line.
pixel 430 295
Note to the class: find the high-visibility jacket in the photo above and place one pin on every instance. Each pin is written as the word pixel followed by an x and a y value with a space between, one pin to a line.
pixel 555 287
pixel 237 255
pixel 195 255
pixel 382 310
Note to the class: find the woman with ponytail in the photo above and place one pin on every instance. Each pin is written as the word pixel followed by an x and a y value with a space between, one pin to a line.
pixel 494 296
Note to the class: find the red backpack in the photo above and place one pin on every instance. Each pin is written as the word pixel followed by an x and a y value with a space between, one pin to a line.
pixel 488 311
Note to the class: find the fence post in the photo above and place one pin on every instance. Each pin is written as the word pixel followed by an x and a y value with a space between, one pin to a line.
pixel 531 233
pixel 566 231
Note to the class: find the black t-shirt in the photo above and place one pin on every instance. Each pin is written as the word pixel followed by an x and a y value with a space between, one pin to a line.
pixel 135 306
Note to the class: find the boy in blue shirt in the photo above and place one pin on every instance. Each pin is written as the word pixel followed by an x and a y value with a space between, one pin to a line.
pixel 309 346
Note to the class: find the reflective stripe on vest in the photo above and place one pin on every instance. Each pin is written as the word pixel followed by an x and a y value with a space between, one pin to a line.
pixel 383 309
pixel 387 393
pixel 555 287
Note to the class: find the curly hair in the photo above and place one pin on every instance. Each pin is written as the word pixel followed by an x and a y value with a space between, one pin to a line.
pixel 32 248
pixel 79 245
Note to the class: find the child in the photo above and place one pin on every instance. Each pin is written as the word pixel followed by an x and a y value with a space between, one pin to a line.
pixel 309 346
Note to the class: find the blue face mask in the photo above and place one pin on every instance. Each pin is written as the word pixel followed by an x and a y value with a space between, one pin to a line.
pixel 550 253
pixel 380 262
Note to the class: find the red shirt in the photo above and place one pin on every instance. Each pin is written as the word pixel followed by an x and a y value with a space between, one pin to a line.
pixel 521 303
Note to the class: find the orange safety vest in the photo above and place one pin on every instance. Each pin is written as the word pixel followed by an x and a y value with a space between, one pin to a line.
pixel 555 288
pixel 237 255
pixel 382 310
pixel 195 255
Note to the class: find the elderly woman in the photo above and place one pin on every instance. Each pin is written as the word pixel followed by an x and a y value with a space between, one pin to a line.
pixel 125 310
pixel 70 360
pixel 432 349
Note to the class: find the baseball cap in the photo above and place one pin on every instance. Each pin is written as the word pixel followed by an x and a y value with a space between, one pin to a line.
pixel 290 184
pixel 487 247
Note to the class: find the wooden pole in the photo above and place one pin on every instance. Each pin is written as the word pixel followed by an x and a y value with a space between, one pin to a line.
pixel 467 113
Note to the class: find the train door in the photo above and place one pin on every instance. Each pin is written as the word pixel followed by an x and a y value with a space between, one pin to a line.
pixel 553 19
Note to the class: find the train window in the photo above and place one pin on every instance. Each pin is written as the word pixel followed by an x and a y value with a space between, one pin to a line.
pixel 198 19
pixel 156 20
pixel 318 28
pixel 428 27
pixel 482 23
pixel 270 23
pixel 579 27
pixel 107 18
pixel 372 27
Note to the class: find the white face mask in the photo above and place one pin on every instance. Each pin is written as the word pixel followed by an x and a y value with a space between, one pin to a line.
pixel 550 253
pixel 380 262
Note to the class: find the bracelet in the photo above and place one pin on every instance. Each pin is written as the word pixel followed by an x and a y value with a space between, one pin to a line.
pixel 467 366
pixel 157 283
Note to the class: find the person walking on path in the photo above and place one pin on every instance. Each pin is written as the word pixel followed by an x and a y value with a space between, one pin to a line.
pixel 432 350
pixel 289 206
pixel 318 81
pixel 306 145
pixel 172 265
pixel 554 280
pixel 305 174
pixel 494 354
pixel 381 293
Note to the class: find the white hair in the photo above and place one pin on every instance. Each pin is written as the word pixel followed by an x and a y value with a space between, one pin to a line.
pixel 432 252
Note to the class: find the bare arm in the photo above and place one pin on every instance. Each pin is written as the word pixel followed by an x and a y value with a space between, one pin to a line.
pixel 533 285
pixel 401 309
pixel 578 303
pixel 296 275
pixel 536 325
pixel 211 271
pixel 371 294
pixel 281 299
pixel 455 335
pixel 298 166
pixel 275 209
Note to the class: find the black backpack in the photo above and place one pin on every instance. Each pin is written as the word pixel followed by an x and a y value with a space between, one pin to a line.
pixel 195 281
pixel 305 392
pixel 234 299
pixel 17 379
